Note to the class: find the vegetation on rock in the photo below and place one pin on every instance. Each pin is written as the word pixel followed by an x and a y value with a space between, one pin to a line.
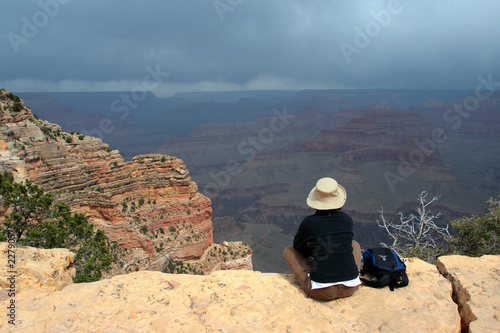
pixel 90 177
pixel 35 220
pixel 180 267
pixel 418 235
pixel 478 235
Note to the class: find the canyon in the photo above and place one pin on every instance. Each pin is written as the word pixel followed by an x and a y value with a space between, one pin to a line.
pixel 149 208
pixel 383 156
pixel 257 155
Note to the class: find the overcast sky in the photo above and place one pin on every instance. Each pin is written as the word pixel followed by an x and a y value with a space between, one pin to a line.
pixel 207 45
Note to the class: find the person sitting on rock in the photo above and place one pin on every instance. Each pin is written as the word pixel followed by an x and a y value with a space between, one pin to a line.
pixel 324 257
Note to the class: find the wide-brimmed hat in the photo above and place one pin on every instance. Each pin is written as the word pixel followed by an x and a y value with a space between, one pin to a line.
pixel 327 194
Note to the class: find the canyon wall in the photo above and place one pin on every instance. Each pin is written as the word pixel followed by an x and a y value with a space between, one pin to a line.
pixel 258 159
pixel 149 207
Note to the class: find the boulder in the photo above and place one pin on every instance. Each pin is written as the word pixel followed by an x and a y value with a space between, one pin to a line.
pixel 35 268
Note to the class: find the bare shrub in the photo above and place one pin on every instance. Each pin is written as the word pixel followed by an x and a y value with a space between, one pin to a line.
pixel 416 235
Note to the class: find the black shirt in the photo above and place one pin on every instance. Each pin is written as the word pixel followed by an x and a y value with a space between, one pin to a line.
pixel 329 233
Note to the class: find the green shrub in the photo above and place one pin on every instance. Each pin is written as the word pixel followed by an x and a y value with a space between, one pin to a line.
pixel 8 176
pixel 17 107
pixel 478 235
pixel 35 221
pixel 45 130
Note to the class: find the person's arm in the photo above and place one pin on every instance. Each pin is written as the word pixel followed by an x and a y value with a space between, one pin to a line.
pixel 301 240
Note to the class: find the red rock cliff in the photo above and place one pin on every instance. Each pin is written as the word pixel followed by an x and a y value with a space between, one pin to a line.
pixel 149 207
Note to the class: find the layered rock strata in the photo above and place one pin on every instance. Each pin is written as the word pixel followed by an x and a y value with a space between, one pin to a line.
pixel 149 206
pixel 379 153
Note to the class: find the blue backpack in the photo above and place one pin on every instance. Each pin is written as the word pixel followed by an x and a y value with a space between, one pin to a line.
pixel 385 268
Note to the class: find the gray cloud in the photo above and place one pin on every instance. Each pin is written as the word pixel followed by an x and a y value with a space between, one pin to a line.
pixel 292 44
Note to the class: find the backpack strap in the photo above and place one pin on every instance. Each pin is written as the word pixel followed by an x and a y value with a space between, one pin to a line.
pixel 379 283
pixel 401 281
pixel 386 279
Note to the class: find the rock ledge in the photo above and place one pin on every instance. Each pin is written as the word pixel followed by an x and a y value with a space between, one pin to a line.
pixel 235 301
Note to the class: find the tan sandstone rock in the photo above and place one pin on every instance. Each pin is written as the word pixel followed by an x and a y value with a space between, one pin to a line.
pixel 235 301
pixel 476 284
pixel 36 268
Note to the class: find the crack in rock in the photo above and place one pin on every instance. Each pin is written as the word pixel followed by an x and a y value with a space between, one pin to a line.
pixel 460 296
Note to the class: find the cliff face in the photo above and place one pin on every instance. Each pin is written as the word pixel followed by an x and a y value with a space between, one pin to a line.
pixel 149 207
pixel 243 301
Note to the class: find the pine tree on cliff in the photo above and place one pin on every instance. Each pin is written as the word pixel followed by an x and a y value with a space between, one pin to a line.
pixel 478 235
pixel 35 220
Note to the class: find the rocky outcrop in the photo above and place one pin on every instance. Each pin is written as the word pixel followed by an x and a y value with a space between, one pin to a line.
pixel 31 268
pixel 243 301
pixel 149 206
pixel 476 290
pixel 225 256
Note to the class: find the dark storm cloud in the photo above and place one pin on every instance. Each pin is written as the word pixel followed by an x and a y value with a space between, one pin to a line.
pixel 248 44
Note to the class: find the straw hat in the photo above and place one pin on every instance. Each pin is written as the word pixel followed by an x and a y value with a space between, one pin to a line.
pixel 327 194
